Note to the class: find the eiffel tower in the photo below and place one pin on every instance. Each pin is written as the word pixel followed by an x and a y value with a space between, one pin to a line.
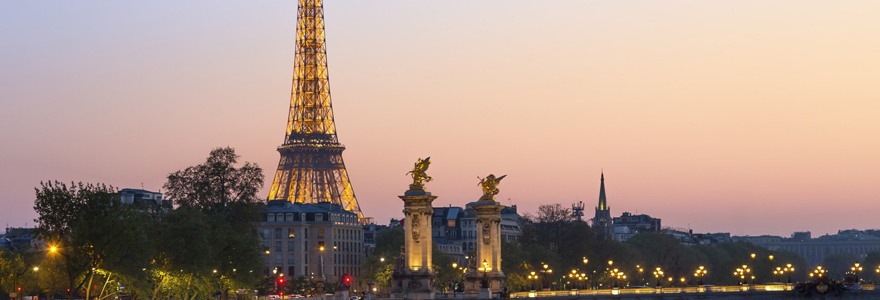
pixel 311 169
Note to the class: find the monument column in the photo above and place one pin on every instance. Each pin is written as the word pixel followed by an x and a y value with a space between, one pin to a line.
pixel 413 276
pixel 484 270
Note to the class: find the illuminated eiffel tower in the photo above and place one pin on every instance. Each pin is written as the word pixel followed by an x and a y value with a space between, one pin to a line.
pixel 311 169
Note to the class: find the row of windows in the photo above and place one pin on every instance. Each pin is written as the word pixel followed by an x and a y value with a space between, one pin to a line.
pixel 291 217
pixel 341 233
pixel 347 246
pixel 349 234
pixel 347 259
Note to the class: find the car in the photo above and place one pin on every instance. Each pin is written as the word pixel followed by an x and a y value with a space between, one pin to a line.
pixel 354 298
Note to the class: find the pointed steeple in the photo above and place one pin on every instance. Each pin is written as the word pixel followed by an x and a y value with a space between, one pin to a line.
pixel 602 204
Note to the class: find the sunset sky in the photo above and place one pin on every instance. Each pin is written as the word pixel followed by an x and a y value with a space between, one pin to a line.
pixel 749 117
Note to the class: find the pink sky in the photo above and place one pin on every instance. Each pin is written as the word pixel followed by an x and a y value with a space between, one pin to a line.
pixel 750 117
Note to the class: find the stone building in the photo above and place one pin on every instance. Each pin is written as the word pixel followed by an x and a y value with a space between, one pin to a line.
pixel 455 229
pixel 311 240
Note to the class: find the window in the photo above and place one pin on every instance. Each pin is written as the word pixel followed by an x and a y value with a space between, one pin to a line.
pixel 278 246
pixel 290 270
pixel 306 232
pixel 291 259
pixel 278 233
pixel 270 217
pixel 265 234
pixel 320 233
pixel 291 246
pixel 291 233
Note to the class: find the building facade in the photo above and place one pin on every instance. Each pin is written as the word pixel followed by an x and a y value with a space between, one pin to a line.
pixel 628 225
pixel 455 229
pixel 318 241
pixel 815 250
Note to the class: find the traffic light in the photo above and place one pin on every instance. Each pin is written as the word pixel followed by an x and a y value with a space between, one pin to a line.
pixel 345 282
pixel 19 289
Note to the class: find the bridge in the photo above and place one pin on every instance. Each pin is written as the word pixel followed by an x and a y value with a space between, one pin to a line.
pixel 749 292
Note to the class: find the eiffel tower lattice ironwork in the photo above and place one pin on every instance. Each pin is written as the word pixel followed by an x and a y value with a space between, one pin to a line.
pixel 311 169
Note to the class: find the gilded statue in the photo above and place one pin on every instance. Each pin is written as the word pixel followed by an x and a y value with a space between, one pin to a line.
pixel 418 174
pixel 490 186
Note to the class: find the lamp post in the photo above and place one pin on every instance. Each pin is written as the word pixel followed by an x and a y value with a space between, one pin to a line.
pixel 818 272
pixel 741 273
pixel 700 272
pixel 771 265
pixel 641 270
pixel 788 269
pixel 371 286
pixel 532 278
pixel 658 273
pixel 546 271
pixel 857 268
pixel 485 269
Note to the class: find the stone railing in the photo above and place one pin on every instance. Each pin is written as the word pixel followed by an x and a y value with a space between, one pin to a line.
pixel 667 290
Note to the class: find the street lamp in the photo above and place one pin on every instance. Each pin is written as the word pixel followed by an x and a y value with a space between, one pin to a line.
pixel 485 269
pixel 701 271
pixel 546 271
pixel 741 273
pixel 857 268
pixel 532 278
pixel 788 269
pixel 658 273
pixel 818 272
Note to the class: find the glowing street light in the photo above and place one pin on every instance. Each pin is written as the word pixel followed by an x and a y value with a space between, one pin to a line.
pixel 658 273
pixel 788 269
pixel 701 271
pixel 818 272
pixel 857 268
pixel 741 273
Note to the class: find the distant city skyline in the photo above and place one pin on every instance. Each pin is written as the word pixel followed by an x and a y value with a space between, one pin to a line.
pixel 746 117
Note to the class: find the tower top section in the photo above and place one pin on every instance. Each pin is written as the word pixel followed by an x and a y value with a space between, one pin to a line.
pixel 311 111
pixel 311 169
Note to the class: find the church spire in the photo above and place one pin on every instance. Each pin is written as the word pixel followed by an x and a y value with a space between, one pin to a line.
pixel 603 221
pixel 603 205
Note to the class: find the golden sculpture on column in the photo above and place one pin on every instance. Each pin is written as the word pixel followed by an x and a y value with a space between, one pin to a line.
pixel 418 174
pixel 484 275
pixel 490 186
pixel 413 277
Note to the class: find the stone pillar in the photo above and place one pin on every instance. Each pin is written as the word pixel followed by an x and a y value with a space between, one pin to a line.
pixel 488 221
pixel 413 277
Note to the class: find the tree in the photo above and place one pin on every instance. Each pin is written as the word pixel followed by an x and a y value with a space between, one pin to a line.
pixel 663 250
pixel 226 198
pixel 388 245
pixel 839 264
pixel 216 184
pixel 90 230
